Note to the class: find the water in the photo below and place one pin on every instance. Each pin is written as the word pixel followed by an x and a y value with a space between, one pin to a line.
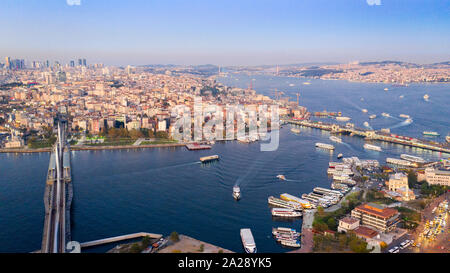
pixel 167 189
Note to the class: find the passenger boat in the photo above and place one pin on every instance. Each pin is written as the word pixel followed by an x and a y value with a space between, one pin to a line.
pixel 237 192
pixel 412 158
pixel 447 138
pixel 428 133
pixel 295 130
pixel 365 110
pixel 290 243
pixel 209 158
pixel 284 204
pixel 248 241
pixel 343 118
pixel 372 116
pixel 283 230
pixel 325 146
pixel 340 156
pixel 372 147
pixel 287 197
pixel 385 115
pixel 283 212
pixel 336 139
pixel 426 97
pixel 404 116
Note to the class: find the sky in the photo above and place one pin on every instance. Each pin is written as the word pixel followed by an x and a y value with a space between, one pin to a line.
pixel 225 32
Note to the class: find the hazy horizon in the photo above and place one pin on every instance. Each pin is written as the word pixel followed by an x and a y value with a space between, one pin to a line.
pixel 226 33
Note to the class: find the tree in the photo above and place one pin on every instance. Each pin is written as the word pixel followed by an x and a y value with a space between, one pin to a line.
pixel 412 179
pixel 146 241
pixel 162 134
pixel 174 237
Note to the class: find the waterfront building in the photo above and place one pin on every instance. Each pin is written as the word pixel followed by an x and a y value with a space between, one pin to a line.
pixel 437 176
pixel 373 215
pixel 347 224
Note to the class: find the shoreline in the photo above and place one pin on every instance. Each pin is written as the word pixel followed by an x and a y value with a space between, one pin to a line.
pixel 90 148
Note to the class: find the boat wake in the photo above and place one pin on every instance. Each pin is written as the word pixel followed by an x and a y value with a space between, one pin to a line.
pixel 401 124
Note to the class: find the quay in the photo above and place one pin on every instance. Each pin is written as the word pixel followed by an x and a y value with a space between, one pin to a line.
pixel 374 135
pixel 90 148
pixel 120 238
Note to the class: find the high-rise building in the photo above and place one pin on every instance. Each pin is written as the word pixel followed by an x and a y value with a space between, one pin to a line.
pixel 72 63
pixel 8 62
pixel 84 62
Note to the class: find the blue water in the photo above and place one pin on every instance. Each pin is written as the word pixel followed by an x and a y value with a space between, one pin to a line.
pixel 167 189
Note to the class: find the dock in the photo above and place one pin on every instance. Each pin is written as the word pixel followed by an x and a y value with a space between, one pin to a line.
pixel 120 238
pixel 374 135
pixel 196 146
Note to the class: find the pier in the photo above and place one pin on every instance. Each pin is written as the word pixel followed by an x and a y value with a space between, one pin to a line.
pixel 374 135
pixel 120 238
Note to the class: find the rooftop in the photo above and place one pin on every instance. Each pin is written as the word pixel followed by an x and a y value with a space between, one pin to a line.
pixel 377 210
pixel 365 232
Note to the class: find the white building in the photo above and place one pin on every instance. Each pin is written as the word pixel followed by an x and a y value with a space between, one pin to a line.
pixel 437 176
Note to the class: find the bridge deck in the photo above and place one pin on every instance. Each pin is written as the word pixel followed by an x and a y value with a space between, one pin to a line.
pixel 120 238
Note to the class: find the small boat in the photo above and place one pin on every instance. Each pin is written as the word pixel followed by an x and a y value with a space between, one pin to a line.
pixel 426 97
pixel 295 130
pixel 386 89
pixel 306 83
pixel 366 124
pixel 408 120
pixel 237 192
pixel 335 139
pixel 324 146
pixel 281 177
pixel 404 116
pixel 372 116
pixel 365 110
pixel 385 115
pixel 248 241
pixel 206 159
pixel 401 96
pixel 340 156
pixel 447 138
pixel 291 84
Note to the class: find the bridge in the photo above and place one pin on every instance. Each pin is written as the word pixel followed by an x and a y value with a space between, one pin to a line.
pixel 58 194
pixel 120 238
pixel 374 135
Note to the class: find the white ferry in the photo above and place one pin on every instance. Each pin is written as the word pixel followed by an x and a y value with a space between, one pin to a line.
pixel 248 241
pixel 372 147
pixel 412 158
pixel 400 162
pixel 325 146
pixel 295 130
pixel 404 116
pixel 290 243
pixel 236 192
pixel 340 156
pixel 372 116
pixel 428 133
pixel 284 204
pixel 283 212
pixel 209 158
pixel 336 139
pixel 385 115
pixel 343 118
pixel 283 230
pixel 386 89
pixel 365 110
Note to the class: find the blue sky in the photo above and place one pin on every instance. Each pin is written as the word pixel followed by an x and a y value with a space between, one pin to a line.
pixel 226 32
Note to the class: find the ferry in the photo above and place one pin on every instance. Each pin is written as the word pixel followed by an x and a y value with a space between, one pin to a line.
pixel 209 158
pixel 336 139
pixel 447 138
pixel 408 120
pixel 236 192
pixel 340 156
pixel 306 83
pixel 428 133
pixel 372 116
pixel 366 124
pixel 281 177
pixel 372 147
pixel 290 243
pixel 385 115
pixel 412 158
pixel 365 110
pixel 400 162
pixel 404 116
pixel 247 240
pixel 343 118
pixel 284 204
pixel 295 130
pixel 287 197
pixel 426 97
pixel 283 230
pixel 325 146
pixel 283 212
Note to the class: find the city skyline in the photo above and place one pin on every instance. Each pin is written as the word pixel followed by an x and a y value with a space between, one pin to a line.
pixel 226 32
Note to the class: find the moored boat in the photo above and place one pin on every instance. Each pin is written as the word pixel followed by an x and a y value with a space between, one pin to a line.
pixel 248 241
pixel 372 147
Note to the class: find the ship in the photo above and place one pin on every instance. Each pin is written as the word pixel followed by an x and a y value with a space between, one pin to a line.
pixel 401 96
pixel 325 146
pixel 336 139
pixel 290 243
pixel 248 241
pixel 404 116
pixel 340 156
pixel 306 83
pixel 426 97
pixel 385 115
pixel 364 110
pixel 276 202
pixel 283 212
pixel 282 230
pixel 400 162
pixel 209 158
pixel 366 124
pixel 372 116
pixel 412 158
pixel 447 138
pixel 287 197
pixel 281 177
pixel 386 89
pixel 236 192
pixel 343 118
pixel 372 147
pixel 408 120
pixel 428 133
pixel 295 130
pixel 327 114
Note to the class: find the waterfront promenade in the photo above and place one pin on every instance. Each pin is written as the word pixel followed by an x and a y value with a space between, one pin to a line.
pixel 92 148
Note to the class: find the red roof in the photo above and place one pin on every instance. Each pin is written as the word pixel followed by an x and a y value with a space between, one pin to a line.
pixel 365 232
